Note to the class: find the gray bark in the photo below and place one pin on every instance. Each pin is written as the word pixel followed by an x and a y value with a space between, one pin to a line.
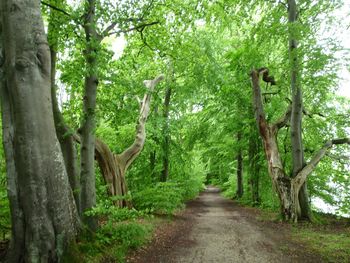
pixel 17 239
pixel 65 137
pixel 166 134
pixel 298 161
pixel 87 154
pixel 254 166
pixel 63 132
pixel 153 154
pixel 239 191
pixel 39 190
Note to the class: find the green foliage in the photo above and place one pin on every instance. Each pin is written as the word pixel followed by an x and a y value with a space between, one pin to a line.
pixel 116 214
pixel 111 242
pixel 130 235
pixel 5 222
pixel 163 198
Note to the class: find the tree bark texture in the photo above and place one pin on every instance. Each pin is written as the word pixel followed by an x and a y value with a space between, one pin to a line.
pixel 41 201
pixel 254 166
pixel 298 161
pixel 166 134
pixel 87 154
pixel 280 181
pixel 239 191
pixel 63 132
pixel 17 239
pixel 287 188
pixel 153 154
pixel 65 137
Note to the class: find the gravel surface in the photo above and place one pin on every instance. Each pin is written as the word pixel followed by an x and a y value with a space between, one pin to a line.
pixel 215 229
pixel 222 234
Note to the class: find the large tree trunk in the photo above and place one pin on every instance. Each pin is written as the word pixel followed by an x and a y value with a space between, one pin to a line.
pixel 280 181
pixel 17 239
pixel 298 160
pixel 64 134
pixel 41 201
pixel 87 154
pixel 239 191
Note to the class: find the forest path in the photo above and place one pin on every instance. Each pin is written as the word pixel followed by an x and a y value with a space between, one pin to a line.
pixel 215 229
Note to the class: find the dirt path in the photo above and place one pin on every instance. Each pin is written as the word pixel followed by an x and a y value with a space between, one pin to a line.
pixel 214 229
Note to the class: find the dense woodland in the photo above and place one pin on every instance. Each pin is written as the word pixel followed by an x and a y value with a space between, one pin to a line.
pixel 241 94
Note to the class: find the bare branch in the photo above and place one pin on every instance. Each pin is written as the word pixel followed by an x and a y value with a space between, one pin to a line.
pixel 310 115
pixel 283 121
pixel 303 174
pixel 56 8
pixel 107 32
pixel 130 154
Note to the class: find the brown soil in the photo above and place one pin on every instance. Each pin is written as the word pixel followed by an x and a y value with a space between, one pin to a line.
pixel 214 229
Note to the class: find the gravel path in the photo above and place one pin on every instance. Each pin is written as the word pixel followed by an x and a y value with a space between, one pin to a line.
pixel 215 229
pixel 222 234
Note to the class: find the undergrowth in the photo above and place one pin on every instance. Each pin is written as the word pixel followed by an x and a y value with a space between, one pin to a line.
pixel 333 247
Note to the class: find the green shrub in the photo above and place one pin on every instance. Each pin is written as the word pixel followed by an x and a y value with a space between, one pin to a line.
pixel 163 198
pixel 129 235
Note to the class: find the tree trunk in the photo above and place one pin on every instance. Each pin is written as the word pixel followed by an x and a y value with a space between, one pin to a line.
pixel 64 134
pixel 287 188
pixel 153 154
pixel 166 140
pixel 65 137
pixel 239 192
pixel 280 181
pixel 41 201
pixel 298 160
pixel 113 172
pixel 17 217
pixel 114 167
pixel 254 166
pixel 87 154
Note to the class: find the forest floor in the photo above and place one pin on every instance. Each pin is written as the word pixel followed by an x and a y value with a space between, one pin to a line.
pixel 215 229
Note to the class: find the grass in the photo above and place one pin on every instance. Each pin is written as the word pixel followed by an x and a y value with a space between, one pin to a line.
pixel 329 237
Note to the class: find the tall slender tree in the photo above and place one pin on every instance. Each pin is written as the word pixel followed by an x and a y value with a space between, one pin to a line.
pixel 298 160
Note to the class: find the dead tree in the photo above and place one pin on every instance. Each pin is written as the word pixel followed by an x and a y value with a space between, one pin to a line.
pixel 114 166
pixel 287 188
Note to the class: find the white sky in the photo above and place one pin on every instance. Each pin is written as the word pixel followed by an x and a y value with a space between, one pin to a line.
pixel 342 32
